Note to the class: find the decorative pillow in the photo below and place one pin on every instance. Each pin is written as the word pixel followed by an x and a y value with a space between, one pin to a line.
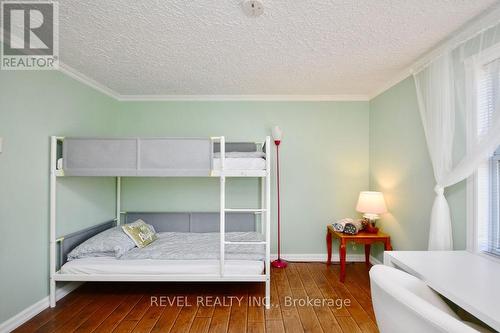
pixel 109 243
pixel 142 234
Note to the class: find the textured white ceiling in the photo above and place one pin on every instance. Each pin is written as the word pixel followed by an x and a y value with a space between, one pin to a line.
pixel 209 47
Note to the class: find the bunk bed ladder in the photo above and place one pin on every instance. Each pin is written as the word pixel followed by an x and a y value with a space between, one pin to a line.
pixel 264 210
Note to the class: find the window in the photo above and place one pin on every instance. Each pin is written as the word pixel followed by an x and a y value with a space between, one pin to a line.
pixel 487 178
pixel 494 225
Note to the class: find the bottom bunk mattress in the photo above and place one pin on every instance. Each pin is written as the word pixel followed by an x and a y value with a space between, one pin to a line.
pixel 110 265
pixel 200 246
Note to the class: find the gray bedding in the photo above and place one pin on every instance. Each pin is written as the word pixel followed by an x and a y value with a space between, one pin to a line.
pixel 191 246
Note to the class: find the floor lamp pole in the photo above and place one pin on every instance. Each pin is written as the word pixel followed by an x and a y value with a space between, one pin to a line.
pixel 278 263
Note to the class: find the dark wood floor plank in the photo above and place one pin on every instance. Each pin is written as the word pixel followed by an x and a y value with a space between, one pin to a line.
pixel 359 315
pixel 255 308
pixel 348 325
pixel 323 312
pixel 205 310
pixel 307 315
pixel 128 307
pixel 186 316
pixel 338 309
pixel 239 313
pixel 64 316
pixel 363 277
pixel 293 278
pixel 291 318
pixel 200 325
pixel 96 318
pixel 79 318
pixel 149 320
pixel 167 319
pixel 274 313
pixel 256 327
pixel 274 326
pixel 220 319
pixel 134 316
pixel 116 316
pixel 361 308
pixel 353 284
pixel 49 313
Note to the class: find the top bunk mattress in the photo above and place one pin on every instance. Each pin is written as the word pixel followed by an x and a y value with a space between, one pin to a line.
pixel 237 160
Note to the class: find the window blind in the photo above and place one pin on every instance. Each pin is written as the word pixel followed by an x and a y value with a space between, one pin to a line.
pixel 488 177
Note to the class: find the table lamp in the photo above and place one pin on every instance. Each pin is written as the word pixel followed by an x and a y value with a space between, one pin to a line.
pixel 371 204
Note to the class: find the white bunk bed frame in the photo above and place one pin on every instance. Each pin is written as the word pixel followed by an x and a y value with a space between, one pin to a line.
pixel 222 174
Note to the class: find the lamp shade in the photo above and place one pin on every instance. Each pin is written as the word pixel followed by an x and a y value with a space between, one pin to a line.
pixel 371 203
pixel 277 133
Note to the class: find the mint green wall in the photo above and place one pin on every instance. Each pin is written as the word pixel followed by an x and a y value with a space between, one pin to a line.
pixel 330 152
pixel 400 167
pixel 324 158
pixel 324 166
pixel 33 106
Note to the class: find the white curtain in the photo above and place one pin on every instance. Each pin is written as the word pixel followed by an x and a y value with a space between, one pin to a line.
pixel 447 92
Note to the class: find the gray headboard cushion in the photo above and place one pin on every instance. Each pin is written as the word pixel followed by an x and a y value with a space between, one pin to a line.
pixel 194 221
pixel 74 239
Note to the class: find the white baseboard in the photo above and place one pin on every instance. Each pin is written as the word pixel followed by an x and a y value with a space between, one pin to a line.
pixel 318 257
pixel 31 311
pixel 321 257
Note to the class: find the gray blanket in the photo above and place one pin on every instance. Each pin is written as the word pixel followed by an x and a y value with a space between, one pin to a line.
pixel 192 246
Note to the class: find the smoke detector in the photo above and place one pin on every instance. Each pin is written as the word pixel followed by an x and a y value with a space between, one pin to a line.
pixel 253 8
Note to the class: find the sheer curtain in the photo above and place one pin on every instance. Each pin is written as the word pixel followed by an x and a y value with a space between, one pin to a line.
pixel 447 90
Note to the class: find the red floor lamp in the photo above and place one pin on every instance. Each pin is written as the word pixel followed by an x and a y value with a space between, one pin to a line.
pixel 277 135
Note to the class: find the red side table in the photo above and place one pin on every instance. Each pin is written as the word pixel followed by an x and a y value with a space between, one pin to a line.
pixel 361 238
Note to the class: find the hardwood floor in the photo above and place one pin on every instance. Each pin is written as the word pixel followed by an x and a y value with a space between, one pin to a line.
pixel 303 299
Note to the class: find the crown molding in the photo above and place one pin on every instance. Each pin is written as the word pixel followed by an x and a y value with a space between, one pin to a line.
pixel 80 77
pixel 477 24
pixel 305 98
pixel 73 73
pixel 483 21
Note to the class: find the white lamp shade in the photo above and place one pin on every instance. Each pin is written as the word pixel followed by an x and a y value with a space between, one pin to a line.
pixel 277 133
pixel 370 202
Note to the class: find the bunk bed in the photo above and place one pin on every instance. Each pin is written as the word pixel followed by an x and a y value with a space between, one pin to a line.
pixel 232 231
